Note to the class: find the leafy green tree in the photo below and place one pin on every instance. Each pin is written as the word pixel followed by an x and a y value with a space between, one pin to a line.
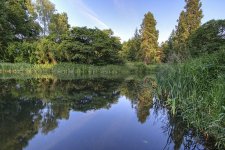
pixel 90 46
pixel 149 39
pixel 210 37
pixel 168 47
pixel 46 51
pixel 58 25
pixel 45 10
pixel 131 48
pixel 17 23
pixel 23 52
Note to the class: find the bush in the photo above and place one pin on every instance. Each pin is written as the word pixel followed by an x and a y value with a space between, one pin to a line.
pixel 21 52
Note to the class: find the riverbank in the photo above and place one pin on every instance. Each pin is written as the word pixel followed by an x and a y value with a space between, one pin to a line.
pixel 194 90
pixel 76 69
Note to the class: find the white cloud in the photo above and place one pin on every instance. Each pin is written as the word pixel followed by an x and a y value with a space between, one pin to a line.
pixel 86 11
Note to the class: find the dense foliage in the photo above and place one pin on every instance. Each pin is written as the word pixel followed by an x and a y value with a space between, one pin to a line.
pixel 175 48
pixel 131 48
pixel 210 37
pixel 17 23
pixel 144 45
pixel 35 33
pixel 90 46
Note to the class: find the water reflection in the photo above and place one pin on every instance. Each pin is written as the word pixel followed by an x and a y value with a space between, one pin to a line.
pixel 36 106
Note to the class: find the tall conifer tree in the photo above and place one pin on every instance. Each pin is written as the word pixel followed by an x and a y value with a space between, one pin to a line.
pixel 189 21
pixel 194 14
pixel 149 39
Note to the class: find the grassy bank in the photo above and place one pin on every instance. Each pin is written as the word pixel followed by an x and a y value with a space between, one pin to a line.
pixel 195 90
pixel 75 69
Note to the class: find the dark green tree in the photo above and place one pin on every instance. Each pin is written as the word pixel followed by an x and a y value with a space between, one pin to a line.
pixel 189 21
pixel 131 48
pixel 210 37
pixel 17 23
pixel 90 46
pixel 182 35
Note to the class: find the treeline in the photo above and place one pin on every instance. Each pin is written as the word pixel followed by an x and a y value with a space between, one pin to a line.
pixel 33 32
pixel 189 39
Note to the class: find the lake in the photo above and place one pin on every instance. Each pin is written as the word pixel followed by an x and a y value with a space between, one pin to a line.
pixel 89 113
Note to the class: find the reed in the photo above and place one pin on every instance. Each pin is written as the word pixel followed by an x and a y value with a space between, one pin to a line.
pixel 75 69
pixel 195 91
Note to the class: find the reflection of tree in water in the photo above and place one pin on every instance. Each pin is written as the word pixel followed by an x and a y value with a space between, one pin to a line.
pixel 144 104
pixel 141 95
pixel 19 122
pixel 181 135
pixel 29 105
pixel 177 130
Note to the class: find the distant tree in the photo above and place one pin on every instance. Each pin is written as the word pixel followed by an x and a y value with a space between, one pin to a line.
pixel 168 47
pixel 58 24
pixel 136 46
pixel 131 48
pixel 149 38
pixel 45 10
pixel 182 35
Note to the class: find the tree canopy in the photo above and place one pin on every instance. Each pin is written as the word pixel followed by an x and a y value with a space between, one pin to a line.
pixel 34 32
pixel 210 37
pixel 188 22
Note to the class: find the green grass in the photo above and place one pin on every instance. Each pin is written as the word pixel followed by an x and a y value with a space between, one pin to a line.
pixel 196 91
pixel 75 69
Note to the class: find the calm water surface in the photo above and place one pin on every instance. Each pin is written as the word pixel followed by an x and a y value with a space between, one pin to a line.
pixel 88 114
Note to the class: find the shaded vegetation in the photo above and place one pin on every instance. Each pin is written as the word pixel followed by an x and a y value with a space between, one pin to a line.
pixel 207 39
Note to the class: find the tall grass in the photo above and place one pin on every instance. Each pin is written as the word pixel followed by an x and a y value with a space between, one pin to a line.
pixel 75 69
pixel 195 90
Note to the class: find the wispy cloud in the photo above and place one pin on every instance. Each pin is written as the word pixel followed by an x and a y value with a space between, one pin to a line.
pixel 125 9
pixel 89 13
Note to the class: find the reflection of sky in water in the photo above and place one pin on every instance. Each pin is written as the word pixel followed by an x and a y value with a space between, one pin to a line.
pixel 87 114
pixel 116 128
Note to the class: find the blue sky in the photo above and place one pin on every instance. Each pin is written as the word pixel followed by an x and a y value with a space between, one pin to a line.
pixel 124 16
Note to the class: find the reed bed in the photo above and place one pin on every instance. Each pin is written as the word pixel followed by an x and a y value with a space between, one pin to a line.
pixel 75 69
pixel 195 90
